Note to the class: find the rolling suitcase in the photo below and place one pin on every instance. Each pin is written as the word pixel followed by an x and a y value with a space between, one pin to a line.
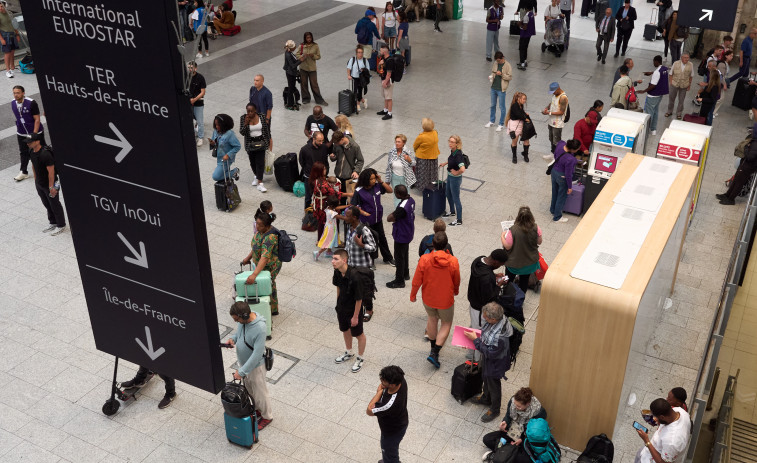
pixel 227 194
pixel 262 285
pixel 286 170
pixel 260 305
pixel 650 29
pixel 433 200
pixel 466 381
pixel 575 202
pixel 515 25
pixel 347 102
pixel 241 431
pixel 694 118
pixel 743 94
pixel 373 60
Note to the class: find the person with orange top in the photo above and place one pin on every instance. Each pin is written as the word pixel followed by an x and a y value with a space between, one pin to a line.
pixel 438 274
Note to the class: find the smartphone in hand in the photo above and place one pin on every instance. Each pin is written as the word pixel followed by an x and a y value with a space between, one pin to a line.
pixel 640 427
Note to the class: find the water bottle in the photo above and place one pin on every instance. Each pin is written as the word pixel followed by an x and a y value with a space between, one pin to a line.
pixel 56 187
pixel 502 442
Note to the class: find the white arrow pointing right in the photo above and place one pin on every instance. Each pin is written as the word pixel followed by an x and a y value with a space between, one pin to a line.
pixel 706 14
pixel 140 258
pixel 153 354
pixel 121 142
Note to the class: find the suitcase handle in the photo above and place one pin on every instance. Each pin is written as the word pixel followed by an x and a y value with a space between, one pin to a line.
pixel 247 298
pixel 241 266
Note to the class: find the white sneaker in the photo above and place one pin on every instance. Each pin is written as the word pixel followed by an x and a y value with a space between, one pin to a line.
pixel 653 132
pixel 488 124
pixel 21 176
pixel 9 74
pixel 199 55
pixel 500 127
pixel 261 188
pixel 561 220
pixel 207 53
pixel 344 357
pixel 58 230
pixel 365 103
pixel 255 181
pixel 50 228
pixel 358 364
pixel 485 455
pixel 315 256
pixel 199 142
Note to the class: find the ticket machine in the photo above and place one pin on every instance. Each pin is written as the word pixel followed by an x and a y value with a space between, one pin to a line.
pixel 613 139
pixel 638 117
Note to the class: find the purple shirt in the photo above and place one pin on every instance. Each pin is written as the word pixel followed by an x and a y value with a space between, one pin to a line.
pixel 403 226
pixel 530 29
pixel 494 13
pixel 565 163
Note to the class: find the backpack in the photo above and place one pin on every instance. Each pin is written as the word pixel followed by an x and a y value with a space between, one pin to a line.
pixel 26 65
pixel 365 275
pixel 398 67
pixel 236 401
pixel 741 148
pixel 505 453
pixel 539 444
pixel 364 35
pixel 511 299
pixel 287 249
pixel 359 230
pixel 599 449
pixel 567 113
pixel 466 160
pixel 309 222
pixel 631 95
pixel 702 68
pixel 516 339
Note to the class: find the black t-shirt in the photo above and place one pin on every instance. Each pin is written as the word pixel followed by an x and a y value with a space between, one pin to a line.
pixel 384 65
pixel 391 410
pixel 350 289
pixel 324 124
pixel 196 84
pixel 40 161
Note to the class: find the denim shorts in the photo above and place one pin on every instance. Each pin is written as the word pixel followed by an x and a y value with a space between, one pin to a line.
pixel 390 31
pixel 10 42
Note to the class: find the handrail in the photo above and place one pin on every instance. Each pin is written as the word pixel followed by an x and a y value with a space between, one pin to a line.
pixel 703 385
pixel 722 442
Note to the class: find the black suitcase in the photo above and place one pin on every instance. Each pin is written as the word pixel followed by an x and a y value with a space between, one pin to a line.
pixel 227 195
pixel 650 29
pixel 466 381
pixel 347 102
pixel 515 25
pixel 286 171
pixel 743 94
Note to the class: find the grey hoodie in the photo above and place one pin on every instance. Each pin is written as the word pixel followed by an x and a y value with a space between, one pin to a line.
pixel 254 333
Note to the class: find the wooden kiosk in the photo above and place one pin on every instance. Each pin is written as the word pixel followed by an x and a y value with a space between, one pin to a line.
pixel 603 296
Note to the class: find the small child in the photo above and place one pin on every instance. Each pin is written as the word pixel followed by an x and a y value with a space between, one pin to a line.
pixel 266 207
pixel 330 237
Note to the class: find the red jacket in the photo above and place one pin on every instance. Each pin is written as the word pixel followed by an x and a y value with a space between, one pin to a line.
pixel 584 132
pixel 438 273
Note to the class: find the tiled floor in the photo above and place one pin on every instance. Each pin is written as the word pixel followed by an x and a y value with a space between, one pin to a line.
pixel 53 381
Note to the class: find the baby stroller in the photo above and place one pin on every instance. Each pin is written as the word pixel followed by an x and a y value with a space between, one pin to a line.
pixel 555 37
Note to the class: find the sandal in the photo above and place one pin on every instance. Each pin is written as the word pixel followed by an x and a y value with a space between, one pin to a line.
pixel 367 317
pixel 668 114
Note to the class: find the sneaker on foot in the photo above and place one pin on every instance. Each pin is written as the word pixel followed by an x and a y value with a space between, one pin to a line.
pixel 199 142
pixel 365 103
pixel 727 202
pixel 263 423
pixel 390 262
pixel 344 357
pixel 720 196
pixel 561 220
pixel 382 112
pixel 395 284
pixel 53 227
pixel 386 117
pixel 9 74
pixel 500 127
pixel 358 364
pixel 448 214
pixel 653 132
pixel 58 231
pixel 166 401
pixel 21 176
pixel 455 223
pixel 207 53
pixel 135 383
pixel 315 256
pixel 433 358
pixel 485 456
pixel 199 55
pixel 255 181
pixel 481 400
pixel 488 124
pixel 261 188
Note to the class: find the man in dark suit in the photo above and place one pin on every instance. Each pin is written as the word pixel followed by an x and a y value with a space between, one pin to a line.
pixel 626 16
pixel 605 34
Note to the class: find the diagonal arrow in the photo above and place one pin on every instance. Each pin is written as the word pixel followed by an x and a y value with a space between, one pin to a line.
pixel 153 354
pixel 706 14
pixel 121 142
pixel 140 258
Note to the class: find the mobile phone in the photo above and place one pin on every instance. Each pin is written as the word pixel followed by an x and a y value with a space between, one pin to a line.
pixel 639 426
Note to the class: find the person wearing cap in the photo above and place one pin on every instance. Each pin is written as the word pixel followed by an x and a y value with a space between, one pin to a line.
pixel 366 30
pixel 46 181
pixel 28 122
pixel 484 286
pixel 625 17
pixel 556 111
pixel 291 65
pixel 9 38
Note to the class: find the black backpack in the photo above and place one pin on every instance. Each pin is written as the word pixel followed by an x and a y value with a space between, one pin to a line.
pixel 599 449
pixel 702 68
pixel 505 454
pixel 398 67
pixel 366 277
pixel 236 401
pixel 287 248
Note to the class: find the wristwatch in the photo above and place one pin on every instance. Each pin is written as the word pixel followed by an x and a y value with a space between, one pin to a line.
pixel 648 444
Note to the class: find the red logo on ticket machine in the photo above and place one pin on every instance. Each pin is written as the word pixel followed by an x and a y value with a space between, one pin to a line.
pixel 678 152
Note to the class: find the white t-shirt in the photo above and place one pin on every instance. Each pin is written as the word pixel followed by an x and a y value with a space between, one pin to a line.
pixel 390 19
pixel 670 440
pixel 397 168
pixel 552 11
pixel 256 130
pixel 655 79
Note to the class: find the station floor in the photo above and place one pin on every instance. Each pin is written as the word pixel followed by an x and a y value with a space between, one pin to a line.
pixel 53 381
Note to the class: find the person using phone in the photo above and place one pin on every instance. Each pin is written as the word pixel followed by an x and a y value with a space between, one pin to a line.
pixel 668 444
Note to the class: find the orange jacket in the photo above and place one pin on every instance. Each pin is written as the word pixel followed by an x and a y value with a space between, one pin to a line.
pixel 439 274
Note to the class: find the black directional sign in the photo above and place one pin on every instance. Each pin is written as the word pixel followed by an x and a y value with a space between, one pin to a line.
pixel 717 15
pixel 111 77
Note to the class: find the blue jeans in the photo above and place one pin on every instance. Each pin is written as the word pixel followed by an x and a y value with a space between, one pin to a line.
pixel 453 196
pixel 743 70
pixel 559 194
pixel 651 107
pixel 390 446
pixel 492 39
pixel 496 94
pixel 198 110
pixel 222 171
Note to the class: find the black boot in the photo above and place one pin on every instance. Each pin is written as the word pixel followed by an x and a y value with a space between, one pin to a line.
pixel 525 152
pixel 515 156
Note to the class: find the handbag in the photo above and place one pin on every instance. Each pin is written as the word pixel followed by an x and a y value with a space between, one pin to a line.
pixel 267 355
pixel 552 164
pixel 257 145
pixel 214 150
pixel 529 130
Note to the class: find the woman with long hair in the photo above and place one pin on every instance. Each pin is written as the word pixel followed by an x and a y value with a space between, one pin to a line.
pixel 516 117
pixel 291 64
pixel 522 242
pixel 709 96
pixel 389 22
pixel 343 124
pixel 308 54
pixel 257 139
pixel 455 168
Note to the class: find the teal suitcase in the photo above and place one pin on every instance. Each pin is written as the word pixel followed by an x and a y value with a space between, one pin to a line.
pixel 241 431
pixel 262 282
pixel 261 305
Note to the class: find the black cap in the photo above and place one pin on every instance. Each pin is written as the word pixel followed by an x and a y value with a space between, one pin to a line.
pixel 33 137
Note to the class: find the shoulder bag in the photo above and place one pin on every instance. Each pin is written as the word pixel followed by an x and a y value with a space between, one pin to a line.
pixel 267 355
pixel 552 164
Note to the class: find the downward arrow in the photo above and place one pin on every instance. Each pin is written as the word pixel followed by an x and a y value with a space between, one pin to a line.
pixel 153 354
pixel 706 14
pixel 119 143
pixel 140 258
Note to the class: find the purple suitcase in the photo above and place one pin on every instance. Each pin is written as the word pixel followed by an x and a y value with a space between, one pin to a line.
pixel 575 202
